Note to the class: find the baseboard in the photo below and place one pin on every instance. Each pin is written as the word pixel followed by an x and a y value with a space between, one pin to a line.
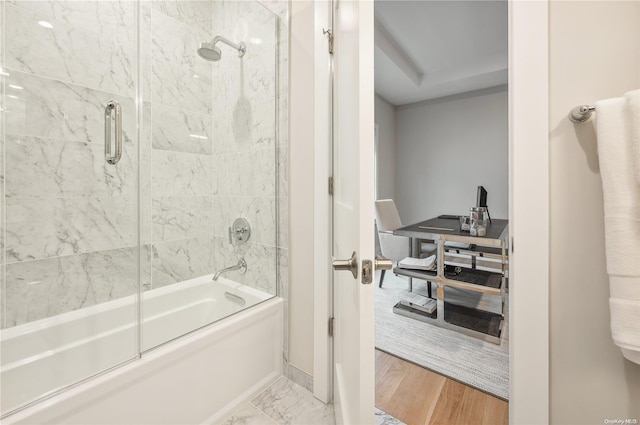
pixel 244 398
pixel 298 376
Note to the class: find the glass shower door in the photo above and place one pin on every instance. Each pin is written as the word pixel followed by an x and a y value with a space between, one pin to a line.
pixel 69 217
pixel 209 157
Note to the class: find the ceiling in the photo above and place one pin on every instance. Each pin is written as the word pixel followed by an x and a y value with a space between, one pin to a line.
pixel 429 49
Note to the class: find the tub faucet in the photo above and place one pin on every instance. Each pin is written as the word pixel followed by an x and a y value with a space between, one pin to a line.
pixel 242 266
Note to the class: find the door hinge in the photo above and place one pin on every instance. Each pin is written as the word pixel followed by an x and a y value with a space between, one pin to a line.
pixel 331 185
pixel 512 244
pixel 331 326
pixel 329 35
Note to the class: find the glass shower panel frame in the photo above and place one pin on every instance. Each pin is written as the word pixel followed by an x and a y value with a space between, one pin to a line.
pixel 69 219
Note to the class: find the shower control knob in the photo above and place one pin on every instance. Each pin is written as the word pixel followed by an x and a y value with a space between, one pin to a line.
pixel 240 231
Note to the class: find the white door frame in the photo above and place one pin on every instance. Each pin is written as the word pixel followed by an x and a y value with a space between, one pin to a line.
pixel 528 215
pixel 529 211
pixel 323 209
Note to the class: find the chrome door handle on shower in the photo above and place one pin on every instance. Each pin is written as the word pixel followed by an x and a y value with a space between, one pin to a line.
pixel 112 106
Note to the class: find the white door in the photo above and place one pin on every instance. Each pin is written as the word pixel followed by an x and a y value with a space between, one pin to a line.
pixel 353 150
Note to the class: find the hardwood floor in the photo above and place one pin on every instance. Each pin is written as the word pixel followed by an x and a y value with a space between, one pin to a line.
pixel 418 396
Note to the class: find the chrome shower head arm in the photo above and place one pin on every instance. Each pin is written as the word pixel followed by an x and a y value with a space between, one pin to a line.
pixel 241 47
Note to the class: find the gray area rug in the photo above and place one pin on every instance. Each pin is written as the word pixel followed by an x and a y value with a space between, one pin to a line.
pixel 479 364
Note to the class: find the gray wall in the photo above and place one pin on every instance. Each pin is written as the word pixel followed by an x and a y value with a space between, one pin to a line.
pixel 386 149
pixel 447 147
pixel 590 380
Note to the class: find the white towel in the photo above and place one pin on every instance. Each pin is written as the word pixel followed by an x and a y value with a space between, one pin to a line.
pixel 416 300
pixel 621 188
pixel 428 263
pixel 633 103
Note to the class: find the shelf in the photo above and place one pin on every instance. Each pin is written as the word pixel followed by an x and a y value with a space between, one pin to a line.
pixel 477 251
pixel 418 274
pixel 412 312
pixel 476 277
pixel 483 269
pixel 479 324
pixel 474 260
pixel 477 320
pixel 472 280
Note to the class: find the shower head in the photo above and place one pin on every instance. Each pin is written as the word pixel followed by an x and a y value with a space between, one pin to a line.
pixel 210 52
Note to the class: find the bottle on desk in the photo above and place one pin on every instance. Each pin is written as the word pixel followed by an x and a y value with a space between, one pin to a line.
pixel 464 223
pixel 479 219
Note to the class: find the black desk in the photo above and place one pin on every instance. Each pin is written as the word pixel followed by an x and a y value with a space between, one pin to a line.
pixel 481 324
pixel 431 229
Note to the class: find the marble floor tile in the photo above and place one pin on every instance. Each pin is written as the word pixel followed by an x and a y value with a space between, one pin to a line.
pixel 382 418
pixel 288 403
pixel 249 415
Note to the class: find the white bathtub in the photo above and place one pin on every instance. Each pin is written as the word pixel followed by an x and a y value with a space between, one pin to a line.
pixel 198 378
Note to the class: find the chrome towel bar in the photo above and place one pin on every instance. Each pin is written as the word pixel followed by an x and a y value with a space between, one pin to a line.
pixel 581 113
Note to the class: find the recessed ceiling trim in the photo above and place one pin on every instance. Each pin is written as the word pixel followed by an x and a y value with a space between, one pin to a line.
pixel 394 51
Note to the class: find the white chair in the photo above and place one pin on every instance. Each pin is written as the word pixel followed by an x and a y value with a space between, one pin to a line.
pixel 394 247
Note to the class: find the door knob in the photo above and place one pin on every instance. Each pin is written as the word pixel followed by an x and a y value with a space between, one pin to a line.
pixel 383 263
pixel 351 264
pixel 380 263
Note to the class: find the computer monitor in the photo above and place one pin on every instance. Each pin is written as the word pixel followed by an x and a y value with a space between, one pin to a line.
pixel 481 200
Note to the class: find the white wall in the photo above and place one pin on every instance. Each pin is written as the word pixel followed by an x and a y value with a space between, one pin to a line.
pixel 386 155
pixel 594 54
pixel 446 148
pixel 301 183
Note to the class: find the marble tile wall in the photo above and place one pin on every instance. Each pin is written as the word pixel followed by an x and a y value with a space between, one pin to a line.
pixel 69 220
pixel 245 140
pixel 209 149
pixel 177 167
pixel 212 140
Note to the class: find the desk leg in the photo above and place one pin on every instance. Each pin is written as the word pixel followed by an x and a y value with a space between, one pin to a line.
pixel 440 259
pixel 504 279
pixel 414 249
pixel 440 304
